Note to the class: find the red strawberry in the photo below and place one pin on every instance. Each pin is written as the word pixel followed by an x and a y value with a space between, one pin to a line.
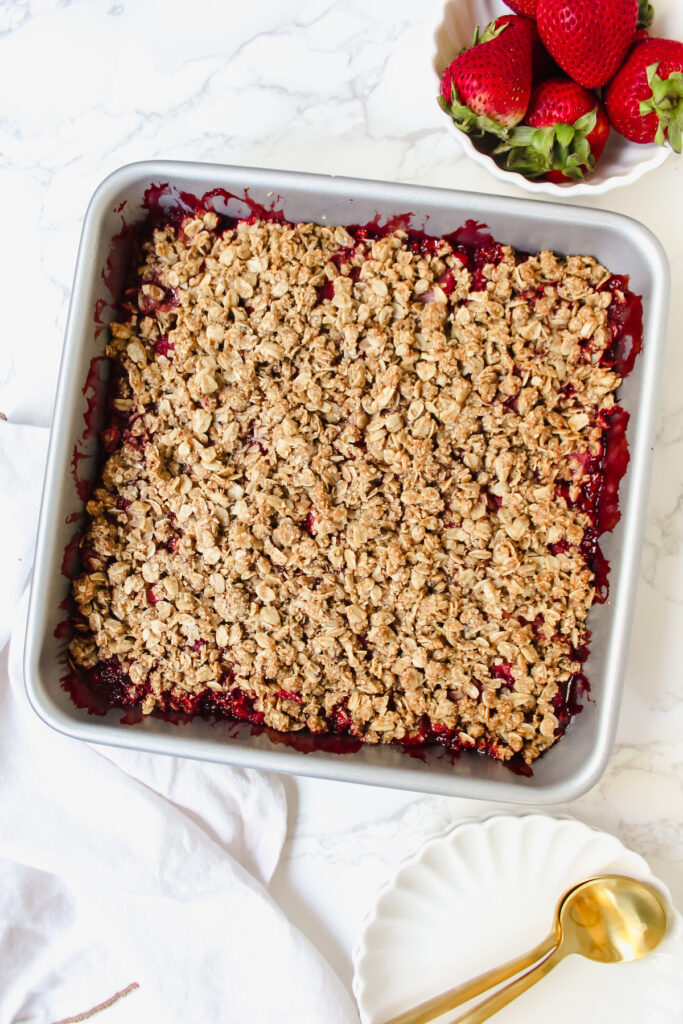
pixel 563 135
pixel 589 39
pixel 525 7
pixel 542 64
pixel 645 99
pixel 487 88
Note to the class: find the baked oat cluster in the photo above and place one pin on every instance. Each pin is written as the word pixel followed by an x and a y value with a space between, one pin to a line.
pixel 343 482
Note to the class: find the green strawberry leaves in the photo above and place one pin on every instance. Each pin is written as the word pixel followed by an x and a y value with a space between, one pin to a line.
pixel 467 121
pixel 492 31
pixel 667 103
pixel 560 147
pixel 646 13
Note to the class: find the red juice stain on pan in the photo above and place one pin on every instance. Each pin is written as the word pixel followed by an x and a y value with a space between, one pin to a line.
pixel 181 204
pixel 306 742
pixel 107 685
pixel 566 700
pixel 95 392
pixel 626 323
pixel 100 323
pixel 71 560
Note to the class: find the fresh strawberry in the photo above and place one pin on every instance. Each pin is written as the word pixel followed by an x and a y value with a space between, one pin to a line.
pixel 563 135
pixel 525 7
pixel 589 39
pixel 645 99
pixel 487 88
pixel 542 64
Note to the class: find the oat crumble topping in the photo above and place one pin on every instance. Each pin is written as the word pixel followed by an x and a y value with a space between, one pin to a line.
pixel 343 478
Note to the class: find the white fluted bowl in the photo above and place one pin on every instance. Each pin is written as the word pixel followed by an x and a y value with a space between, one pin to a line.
pixel 622 162
pixel 485 892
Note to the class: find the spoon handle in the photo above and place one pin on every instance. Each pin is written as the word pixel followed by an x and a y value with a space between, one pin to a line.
pixel 505 995
pixel 455 997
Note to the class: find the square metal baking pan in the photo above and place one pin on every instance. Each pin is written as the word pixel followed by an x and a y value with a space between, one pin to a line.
pixel 575 763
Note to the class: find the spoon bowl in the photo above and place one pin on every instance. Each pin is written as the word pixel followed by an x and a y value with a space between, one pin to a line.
pixel 612 919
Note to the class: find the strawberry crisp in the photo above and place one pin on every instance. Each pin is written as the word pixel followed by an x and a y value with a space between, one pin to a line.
pixel 350 484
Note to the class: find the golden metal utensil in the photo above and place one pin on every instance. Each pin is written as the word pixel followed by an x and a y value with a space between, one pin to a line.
pixel 611 919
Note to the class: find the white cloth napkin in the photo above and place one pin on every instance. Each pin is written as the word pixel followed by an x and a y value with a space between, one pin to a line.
pixel 119 868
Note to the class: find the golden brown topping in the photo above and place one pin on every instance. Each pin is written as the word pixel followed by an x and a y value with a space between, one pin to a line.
pixel 338 483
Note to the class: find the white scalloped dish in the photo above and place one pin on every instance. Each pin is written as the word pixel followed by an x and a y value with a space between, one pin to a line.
pixel 485 892
pixel 622 163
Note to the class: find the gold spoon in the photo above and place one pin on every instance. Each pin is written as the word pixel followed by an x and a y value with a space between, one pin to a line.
pixel 611 919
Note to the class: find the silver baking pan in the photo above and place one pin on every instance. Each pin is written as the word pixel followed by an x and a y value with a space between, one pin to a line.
pixel 575 763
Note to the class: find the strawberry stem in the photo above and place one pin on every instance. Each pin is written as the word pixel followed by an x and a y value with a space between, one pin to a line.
pixel 467 121
pixel 534 152
pixel 646 13
pixel 492 31
pixel 667 103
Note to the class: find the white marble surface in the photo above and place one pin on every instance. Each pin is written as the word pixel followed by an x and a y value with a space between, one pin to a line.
pixel 344 87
